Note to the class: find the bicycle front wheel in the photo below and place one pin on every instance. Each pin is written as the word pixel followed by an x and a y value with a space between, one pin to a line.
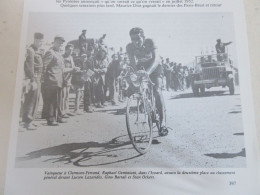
pixel 139 123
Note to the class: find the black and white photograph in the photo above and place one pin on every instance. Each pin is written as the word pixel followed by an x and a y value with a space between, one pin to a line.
pixel 125 90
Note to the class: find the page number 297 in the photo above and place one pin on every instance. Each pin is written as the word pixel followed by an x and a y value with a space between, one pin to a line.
pixel 232 183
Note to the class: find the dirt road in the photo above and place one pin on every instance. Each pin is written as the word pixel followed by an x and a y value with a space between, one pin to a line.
pixel 206 132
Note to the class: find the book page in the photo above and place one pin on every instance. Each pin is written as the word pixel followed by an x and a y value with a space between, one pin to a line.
pixel 168 108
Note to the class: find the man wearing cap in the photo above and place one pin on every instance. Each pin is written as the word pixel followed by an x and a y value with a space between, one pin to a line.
pixel 221 49
pixel 33 68
pixel 53 81
pixel 83 42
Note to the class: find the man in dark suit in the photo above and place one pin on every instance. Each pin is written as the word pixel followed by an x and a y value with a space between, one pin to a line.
pixel 113 71
pixel 53 81
pixel 33 68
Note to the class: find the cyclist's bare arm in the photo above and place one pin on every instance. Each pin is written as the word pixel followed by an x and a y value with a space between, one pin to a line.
pixel 154 62
pixel 132 61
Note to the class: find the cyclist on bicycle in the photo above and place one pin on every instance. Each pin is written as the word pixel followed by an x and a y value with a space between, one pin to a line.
pixel 142 54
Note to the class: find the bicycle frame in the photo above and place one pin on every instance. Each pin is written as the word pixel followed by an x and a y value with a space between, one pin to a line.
pixel 142 93
pixel 145 85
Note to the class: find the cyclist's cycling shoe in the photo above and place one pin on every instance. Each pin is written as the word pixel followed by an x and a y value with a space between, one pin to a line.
pixel 163 131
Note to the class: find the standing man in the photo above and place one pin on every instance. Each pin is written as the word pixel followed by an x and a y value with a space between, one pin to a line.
pixel 99 83
pixel 33 68
pixel 175 81
pixel 168 75
pixel 69 69
pixel 221 47
pixel 113 71
pixel 221 50
pixel 78 83
pixel 53 66
pixel 88 67
pixel 102 39
pixel 102 49
pixel 83 42
pixel 101 57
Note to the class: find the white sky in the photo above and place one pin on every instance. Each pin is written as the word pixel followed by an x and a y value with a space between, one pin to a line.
pixel 179 36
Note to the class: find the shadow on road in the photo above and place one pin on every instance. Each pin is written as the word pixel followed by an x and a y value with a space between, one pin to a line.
pixel 206 94
pixel 227 155
pixel 238 134
pixel 79 154
pixel 235 112
pixel 115 111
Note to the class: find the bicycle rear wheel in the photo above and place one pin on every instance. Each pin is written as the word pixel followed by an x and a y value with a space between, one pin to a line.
pixel 139 123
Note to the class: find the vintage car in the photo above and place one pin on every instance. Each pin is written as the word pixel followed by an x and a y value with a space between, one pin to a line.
pixel 212 71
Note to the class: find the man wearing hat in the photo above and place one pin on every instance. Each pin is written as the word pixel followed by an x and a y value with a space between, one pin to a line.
pixel 53 81
pixel 83 42
pixel 33 68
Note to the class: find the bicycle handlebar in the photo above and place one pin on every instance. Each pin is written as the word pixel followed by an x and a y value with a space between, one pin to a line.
pixel 141 76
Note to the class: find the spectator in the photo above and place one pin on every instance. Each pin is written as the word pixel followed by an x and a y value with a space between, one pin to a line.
pixel 69 69
pixel 83 42
pixel 111 76
pixel 88 66
pixel 53 66
pixel 78 83
pixel 33 68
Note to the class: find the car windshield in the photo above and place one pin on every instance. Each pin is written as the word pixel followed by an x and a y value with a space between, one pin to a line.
pixel 206 59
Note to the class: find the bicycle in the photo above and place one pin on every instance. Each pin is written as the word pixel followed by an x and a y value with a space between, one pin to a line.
pixel 141 112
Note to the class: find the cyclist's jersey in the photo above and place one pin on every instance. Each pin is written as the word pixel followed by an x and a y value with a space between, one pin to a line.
pixel 143 56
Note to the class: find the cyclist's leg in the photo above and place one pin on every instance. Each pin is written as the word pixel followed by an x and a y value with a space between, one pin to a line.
pixel 159 100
